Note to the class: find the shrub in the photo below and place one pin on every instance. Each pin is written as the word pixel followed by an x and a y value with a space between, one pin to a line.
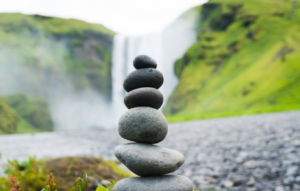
pixel 35 111
pixel 31 174
pixel 8 118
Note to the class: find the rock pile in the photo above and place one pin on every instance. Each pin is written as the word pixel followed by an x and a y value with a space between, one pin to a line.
pixel 145 125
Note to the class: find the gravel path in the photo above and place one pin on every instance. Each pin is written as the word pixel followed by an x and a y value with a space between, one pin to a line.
pixel 250 153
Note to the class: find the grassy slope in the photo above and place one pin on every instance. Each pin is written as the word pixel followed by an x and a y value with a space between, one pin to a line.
pixel 19 114
pixel 247 66
pixel 56 50
pixel 67 169
pixel 47 57
pixel 11 122
pixel 36 111
pixel 53 25
pixel 32 174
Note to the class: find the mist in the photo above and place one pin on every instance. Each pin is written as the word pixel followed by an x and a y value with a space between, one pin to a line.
pixel 85 110
pixel 36 64
pixel 36 73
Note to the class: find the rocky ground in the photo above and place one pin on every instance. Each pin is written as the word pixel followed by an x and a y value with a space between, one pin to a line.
pixel 250 153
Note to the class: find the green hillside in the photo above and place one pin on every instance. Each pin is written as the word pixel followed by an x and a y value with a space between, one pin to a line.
pixel 49 58
pixel 8 118
pixel 20 114
pixel 246 61
pixel 59 54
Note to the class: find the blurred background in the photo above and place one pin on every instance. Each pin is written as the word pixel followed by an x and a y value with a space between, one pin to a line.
pixel 63 62
pixel 219 59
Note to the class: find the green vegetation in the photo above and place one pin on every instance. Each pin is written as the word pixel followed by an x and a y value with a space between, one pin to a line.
pixel 19 114
pixel 31 175
pixel 59 54
pixel 246 61
pixel 8 118
pixel 66 170
pixel 51 185
pixel 49 58
pixel 34 111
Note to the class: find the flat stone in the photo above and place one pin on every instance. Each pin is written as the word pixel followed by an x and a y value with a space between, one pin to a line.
pixel 251 182
pixel 228 184
pixel 148 160
pixel 157 183
pixel 292 171
pixel 147 77
pixel 143 125
pixel 144 97
pixel 144 61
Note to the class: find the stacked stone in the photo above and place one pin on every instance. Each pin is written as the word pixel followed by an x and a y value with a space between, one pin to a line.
pixel 145 125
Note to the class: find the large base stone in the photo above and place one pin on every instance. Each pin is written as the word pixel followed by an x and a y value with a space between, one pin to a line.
pixel 155 183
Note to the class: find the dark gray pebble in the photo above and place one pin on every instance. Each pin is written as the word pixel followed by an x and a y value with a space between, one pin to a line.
pixel 144 61
pixel 148 160
pixel 144 125
pixel 150 97
pixel 155 183
pixel 147 77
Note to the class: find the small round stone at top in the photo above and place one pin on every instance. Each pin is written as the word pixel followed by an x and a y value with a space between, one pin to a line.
pixel 144 61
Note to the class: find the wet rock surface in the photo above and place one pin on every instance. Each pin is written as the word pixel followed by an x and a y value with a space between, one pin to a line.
pixel 144 97
pixel 259 152
pixel 157 183
pixel 144 125
pixel 144 61
pixel 149 160
pixel 147 77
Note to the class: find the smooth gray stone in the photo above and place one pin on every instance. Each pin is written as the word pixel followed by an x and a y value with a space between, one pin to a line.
pixel 150 97
pixel 155 183
pixel 146 77
pixel 144 61
pixel 148 160
pixel 144 125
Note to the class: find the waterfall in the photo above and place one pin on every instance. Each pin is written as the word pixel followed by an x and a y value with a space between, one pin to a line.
pixel 164 47
pixel 119 71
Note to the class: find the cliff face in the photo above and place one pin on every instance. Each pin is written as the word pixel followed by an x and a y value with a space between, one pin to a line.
pixel 245 61
pixel 54 59
pixel 40 55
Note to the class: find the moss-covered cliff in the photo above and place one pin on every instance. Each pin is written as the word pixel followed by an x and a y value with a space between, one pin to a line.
pixel 20 114
pixel 246 61
pixel 8 118
pixel 50 58
pixel 41 54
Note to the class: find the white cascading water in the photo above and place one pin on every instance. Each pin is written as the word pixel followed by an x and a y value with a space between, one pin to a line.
pixel 165 47
pixel 119 70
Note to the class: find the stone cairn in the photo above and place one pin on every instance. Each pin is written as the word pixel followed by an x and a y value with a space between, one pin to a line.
pixel 145 125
